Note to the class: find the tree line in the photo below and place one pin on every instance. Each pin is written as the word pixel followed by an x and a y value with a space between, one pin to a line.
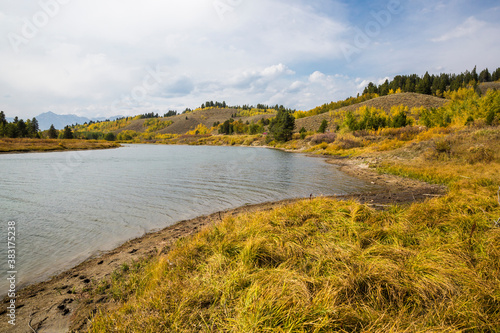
pixel 18 128
pixel 432 84
pixel 260 106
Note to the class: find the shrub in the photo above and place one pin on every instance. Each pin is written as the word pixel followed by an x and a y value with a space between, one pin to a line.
pixel 479 154
pixel 443 146
pixel 326 137
pixel 110 137
pixel 348 143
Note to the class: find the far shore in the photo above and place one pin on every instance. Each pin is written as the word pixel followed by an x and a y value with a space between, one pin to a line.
pixel 22 146
pixel 64 302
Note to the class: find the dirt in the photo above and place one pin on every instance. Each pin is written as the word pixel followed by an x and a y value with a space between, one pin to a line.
pixel 64 304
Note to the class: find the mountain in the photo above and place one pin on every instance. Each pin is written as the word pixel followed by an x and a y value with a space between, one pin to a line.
pixel 61 120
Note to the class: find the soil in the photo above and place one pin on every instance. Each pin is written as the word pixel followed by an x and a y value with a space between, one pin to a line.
pixel 63 304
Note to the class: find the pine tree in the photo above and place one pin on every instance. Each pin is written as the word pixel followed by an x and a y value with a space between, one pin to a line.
pixel 52 132
pixel 3 120
pixel 22 128
pixel 281 127
pixel 496 75
pixel 68 133
pixel 33 128
pixel 323 126
pixel 474 74
pixel 485 76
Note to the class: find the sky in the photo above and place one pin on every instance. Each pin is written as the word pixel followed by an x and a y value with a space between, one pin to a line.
pixel 127 57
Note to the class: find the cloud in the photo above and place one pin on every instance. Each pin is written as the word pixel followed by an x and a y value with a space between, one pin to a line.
pixel 91 54
pixel 468 28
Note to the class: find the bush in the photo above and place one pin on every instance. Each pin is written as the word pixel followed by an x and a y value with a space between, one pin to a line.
pixel 320 138
pixel 443 146
pixel 110 137
pixel 479 154
pixel 347 143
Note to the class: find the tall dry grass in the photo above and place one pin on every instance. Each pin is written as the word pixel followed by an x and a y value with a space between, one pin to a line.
pixel 322 266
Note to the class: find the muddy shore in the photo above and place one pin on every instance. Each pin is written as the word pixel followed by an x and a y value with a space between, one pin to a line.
pixel 63 303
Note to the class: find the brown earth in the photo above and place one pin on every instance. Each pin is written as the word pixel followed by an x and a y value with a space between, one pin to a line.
pixel 64 304
pixel 411 100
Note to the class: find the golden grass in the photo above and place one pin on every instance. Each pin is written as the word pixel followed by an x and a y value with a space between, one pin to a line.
pixel 39 145
pixel 326 265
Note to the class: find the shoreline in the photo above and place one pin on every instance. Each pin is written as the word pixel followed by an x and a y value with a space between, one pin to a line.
pixel 21 152
pixel 28 146
pixel 63 301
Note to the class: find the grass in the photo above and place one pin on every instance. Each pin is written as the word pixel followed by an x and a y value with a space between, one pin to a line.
pixel 325 265
pixel 40 145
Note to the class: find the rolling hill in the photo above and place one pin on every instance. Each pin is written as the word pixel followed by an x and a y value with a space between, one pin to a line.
pixel 410 100
pixel 187 122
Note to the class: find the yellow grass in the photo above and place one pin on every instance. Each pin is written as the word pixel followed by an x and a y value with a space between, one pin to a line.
pixel 324 265
pixel 39 145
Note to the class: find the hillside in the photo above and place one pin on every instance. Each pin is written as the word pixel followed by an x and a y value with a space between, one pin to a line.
pixel 411 100
pixel 202 121
pixel 187 122
pixel 485 86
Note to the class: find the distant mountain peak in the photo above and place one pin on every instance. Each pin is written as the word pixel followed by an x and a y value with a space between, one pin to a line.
pixel 62 120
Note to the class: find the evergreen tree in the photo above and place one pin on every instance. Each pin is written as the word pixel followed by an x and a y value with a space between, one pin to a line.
pixel 68 133
pixel 33 128
pixel 351 121
pixel 496 75
pixel 3 120
pixel 475 77
pixel 323 126
pixel 3 123
pixel 409 85
pixel 425 84
pixel 281 127
pixel 384 88
pixel 485 76
pixel 303 133
pixel 22 129
pixel 52 132
pixel 11 131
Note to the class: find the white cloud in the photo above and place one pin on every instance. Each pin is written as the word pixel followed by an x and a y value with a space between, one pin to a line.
pixel 468 28
pixel 91 53
pixel 317 76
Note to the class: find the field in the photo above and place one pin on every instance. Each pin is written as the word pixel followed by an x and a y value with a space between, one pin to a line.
pixel 40 145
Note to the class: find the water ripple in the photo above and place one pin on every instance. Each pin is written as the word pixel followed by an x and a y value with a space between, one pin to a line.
pixel 70 205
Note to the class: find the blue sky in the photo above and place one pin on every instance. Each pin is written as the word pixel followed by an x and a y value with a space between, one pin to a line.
pixel 125 57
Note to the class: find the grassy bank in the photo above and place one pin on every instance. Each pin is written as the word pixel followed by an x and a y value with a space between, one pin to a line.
pixel 40 145
pixel 327 265
pixel 324 265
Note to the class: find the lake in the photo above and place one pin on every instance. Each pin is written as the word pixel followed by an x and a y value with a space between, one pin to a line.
pixel 68 206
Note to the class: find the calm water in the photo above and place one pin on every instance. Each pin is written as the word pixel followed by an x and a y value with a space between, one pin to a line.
pixel 69 206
